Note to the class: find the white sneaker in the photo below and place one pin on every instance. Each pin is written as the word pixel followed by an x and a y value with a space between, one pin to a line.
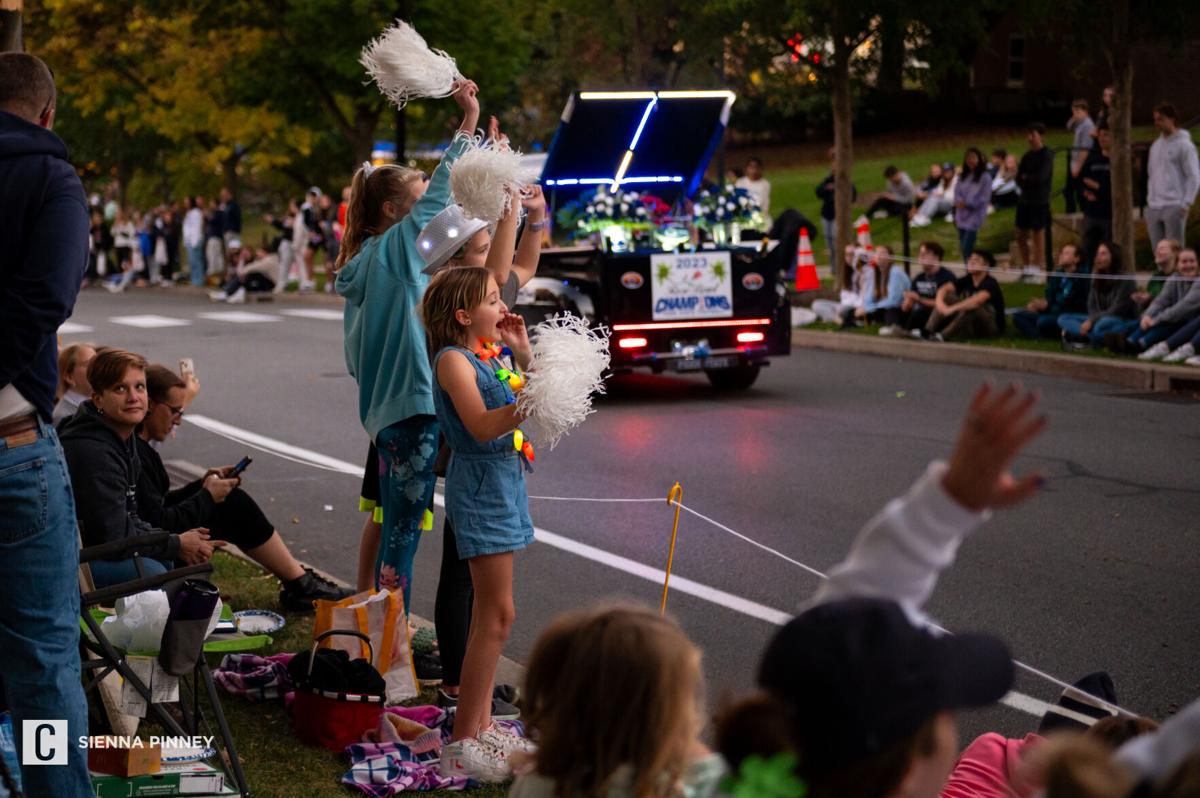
pixel 1156 352
pixel 1192 361
pixel 915 333
pixel 475 760
pixel 238 297
pixel 887 329
pixel 948 218
pixel 217 296
pixel 918 221
pixel 1181 354
pixel 506 742
pixel 879 215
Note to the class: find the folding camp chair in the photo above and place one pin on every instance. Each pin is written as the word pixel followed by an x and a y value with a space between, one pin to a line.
pixel 109 659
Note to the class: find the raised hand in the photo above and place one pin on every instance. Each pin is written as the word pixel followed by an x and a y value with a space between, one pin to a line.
pixel 515 336
pixel 533 201
pixel 999 424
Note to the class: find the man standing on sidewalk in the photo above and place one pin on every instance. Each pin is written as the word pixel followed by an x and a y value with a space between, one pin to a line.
pixel 43 257
pixel 1174 178
pixel 1035 175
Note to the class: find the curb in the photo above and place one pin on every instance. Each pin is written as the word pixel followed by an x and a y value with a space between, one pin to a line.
pixel 181 472
pixel 1121 373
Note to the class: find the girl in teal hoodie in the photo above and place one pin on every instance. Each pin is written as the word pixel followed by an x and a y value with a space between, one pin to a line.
pixel 379 275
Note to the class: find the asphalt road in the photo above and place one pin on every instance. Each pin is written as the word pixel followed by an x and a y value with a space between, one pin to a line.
pixel 1100 571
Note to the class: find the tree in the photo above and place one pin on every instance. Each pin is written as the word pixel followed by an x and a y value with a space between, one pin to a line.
pixel 10 26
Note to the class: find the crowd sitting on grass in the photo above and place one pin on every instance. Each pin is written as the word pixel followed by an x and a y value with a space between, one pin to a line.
pixel 1101 308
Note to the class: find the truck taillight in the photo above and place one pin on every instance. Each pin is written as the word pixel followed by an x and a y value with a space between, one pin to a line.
pixel 750 337
pixel 632 343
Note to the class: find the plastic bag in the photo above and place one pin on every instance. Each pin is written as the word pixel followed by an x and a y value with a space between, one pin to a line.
pixel 140 619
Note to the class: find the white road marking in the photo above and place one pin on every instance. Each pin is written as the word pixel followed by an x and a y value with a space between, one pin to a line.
pixel 1018 701
pixel 314 313
pixel 148 321
pixel 71 328
pixel 239 317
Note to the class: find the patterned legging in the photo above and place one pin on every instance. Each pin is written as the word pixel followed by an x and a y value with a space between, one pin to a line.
pixel 407 450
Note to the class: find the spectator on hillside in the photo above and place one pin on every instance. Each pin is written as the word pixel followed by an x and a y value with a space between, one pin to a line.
pixel 1176 305
pixel 891 282
pixel 1083 129
pixel 996 161
pixel 858 694
pixel 214 242
pixel 1104 115
pixel 43 257
pixel 972 196
pixel 1109 304
pixel 859 282
pixel 931 181
pixel 757 185
pixel 73 387
pixel 256 276
pixel 919 303
pixel 1095 184
pixel 1166 257
pixel 216 502
pixel 124 235
pixel 1005 192
pixel 970 307
pixel 825 193
pixel 897 198
pixel 940 200
pixel 233 215
pixel 193 239
pixel 1173 178
pixel 1069 294
pixel 1034 176
pixel 100 249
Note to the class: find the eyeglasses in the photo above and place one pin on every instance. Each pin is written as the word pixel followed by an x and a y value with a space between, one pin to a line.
pixel 177 412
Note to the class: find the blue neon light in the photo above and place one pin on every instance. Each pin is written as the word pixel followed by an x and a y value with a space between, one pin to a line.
pixel 597 181
pixel 641 126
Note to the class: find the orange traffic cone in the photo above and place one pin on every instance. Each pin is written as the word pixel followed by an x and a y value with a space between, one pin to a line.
pixel 806 267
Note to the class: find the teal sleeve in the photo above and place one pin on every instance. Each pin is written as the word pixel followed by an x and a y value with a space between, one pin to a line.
pixel 437 195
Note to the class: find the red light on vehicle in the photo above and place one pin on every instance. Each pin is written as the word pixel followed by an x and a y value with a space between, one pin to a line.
pixel 632 343
pixel 750 337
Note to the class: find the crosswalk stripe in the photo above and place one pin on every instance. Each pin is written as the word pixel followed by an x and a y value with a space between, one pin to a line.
pixel 149 320
pixel 71 328
pixel 314 313
pixel 239 317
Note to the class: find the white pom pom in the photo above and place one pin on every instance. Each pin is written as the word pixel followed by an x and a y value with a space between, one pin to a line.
pixel 405 67
pixel 568 365
pixel 485 178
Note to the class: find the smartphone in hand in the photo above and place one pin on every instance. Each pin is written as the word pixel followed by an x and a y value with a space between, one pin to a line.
pixel 187 367
pixel 240 467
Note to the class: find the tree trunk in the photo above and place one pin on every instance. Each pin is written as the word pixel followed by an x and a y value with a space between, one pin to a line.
pixel 843 146
pixel 1120 57
pixel 10 26
pixel 229 172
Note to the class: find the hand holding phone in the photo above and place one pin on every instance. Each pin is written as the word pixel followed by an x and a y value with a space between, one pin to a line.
pixel 237 470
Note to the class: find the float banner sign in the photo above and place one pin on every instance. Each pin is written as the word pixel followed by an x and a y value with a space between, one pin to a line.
pixel 691 286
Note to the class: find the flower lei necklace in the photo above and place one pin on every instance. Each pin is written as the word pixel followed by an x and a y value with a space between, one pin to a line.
pixel 489 351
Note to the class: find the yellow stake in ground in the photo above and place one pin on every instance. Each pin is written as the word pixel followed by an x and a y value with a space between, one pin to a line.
pixel 675 497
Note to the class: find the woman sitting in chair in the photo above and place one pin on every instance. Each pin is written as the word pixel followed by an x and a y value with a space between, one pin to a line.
pixel 216 501
pixel 100 447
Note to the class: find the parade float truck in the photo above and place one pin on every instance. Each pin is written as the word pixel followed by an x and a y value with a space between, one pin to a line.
pixel 619 175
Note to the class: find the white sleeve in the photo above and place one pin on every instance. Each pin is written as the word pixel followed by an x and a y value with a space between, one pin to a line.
pixel 1156 756
pixel 901 552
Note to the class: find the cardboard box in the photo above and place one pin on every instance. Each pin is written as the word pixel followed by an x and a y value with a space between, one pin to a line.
pixel 116 761
pixel 192 779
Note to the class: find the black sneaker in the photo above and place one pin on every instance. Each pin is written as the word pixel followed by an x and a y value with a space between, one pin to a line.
pixel 428 668
pixel 299 594
pixel 501 709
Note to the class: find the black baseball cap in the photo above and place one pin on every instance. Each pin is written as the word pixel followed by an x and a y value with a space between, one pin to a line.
pixel 858 675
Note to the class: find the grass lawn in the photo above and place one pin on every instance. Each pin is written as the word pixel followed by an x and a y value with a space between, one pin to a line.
pixel 794 185
pixel 277 765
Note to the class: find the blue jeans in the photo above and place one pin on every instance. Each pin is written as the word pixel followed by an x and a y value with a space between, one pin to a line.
pixel 1189 333
pixel 966 242
pixel 196 264
pixel 407 450
pixel 39 607
pixel 1072 324
pixel 1148 338
pixel 114 572
pixel 1036 325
